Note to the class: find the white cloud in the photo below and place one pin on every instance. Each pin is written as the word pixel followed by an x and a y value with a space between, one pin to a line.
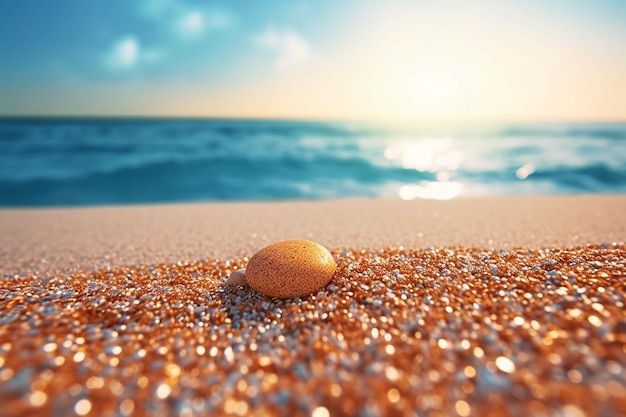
pixel 127 53
pixel 185 21
pixel 156 8
pixel 171 17
pixel 196 23
pixel 290 48
pixel 191 24
pixel 124 54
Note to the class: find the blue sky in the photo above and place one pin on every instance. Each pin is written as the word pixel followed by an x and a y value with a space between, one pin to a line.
pixel 423 60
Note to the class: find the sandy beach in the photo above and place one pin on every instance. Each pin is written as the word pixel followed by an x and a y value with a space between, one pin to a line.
pixel 495 306
pixel 37 241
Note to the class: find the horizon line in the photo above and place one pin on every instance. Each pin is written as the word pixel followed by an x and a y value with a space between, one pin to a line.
pixel 42 117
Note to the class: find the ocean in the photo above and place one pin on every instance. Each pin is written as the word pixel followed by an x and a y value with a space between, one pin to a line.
pixel 82 162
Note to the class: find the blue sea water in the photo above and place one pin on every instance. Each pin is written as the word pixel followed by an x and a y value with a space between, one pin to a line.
pixel 68 162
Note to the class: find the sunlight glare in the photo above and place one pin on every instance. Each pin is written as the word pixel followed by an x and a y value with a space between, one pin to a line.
pixel 524 171
pixel 426 154
pixel 432 190
pixel 430 88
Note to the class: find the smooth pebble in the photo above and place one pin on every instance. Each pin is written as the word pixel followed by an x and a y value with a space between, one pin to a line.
pixel 237 278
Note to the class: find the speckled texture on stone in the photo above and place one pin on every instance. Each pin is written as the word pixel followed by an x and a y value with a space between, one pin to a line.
pixel 290 268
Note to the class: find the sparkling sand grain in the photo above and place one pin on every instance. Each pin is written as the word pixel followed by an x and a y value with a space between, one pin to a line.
pixel 443 331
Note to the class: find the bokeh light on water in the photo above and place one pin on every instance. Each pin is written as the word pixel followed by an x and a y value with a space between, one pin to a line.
pixel 437 156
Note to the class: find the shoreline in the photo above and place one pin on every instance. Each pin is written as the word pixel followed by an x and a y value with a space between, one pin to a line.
pixel 37 241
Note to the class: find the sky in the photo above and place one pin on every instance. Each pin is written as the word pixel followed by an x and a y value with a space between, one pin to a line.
pixel 417 60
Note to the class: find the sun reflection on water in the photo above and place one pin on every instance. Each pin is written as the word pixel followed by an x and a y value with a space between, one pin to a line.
pixel 524 171
pixel 436 190
pixel 425 154
pixel 436 156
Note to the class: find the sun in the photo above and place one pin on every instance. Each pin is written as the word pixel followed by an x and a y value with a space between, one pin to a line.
pixel 429 88
pixel 423 93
